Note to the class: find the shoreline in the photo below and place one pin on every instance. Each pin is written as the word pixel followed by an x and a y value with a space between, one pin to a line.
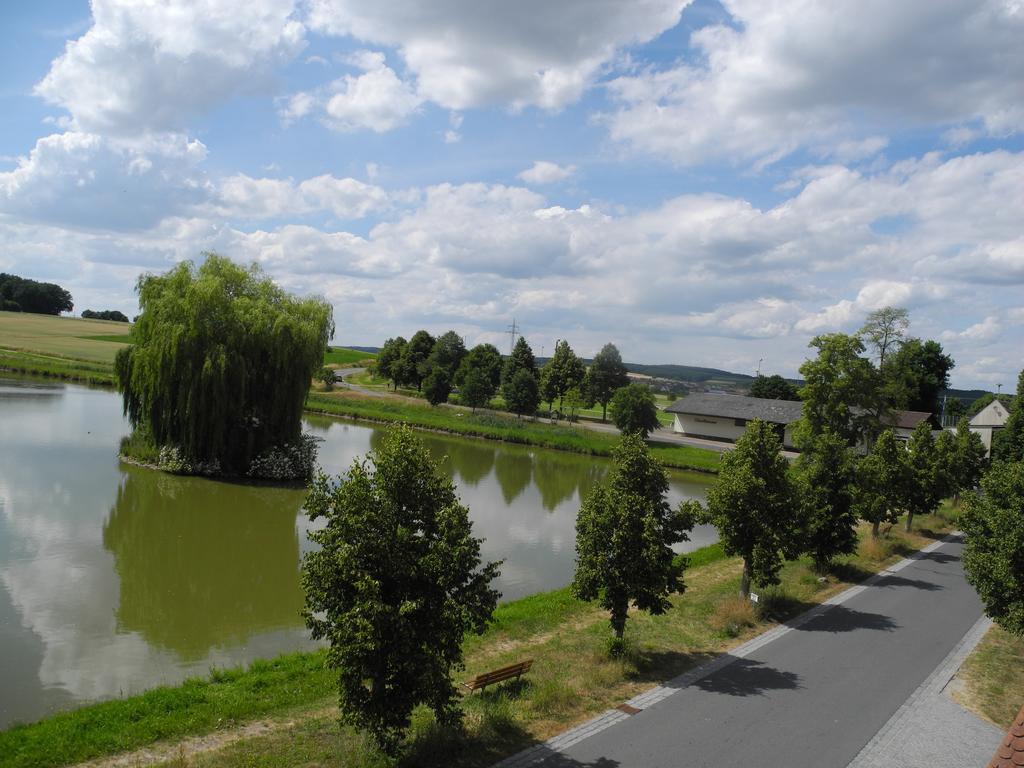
pixel 572 679
pixel 553 437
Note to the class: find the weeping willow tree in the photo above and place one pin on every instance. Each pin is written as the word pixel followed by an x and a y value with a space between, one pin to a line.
pixel 220 365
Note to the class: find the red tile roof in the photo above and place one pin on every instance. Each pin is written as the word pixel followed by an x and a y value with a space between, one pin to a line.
pixel 1011 749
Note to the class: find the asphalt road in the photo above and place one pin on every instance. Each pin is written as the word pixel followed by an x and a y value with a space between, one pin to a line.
pixel 812 697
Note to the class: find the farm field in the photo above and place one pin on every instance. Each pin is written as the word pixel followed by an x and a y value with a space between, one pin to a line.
pixel 70 337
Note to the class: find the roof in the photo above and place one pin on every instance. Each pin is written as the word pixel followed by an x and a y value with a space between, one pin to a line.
pixel 738 407
pixel 906 419
pixel 774 411
pixel 995 414
pixel 1010 753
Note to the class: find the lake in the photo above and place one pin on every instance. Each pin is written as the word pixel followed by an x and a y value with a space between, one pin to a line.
pixel 116 578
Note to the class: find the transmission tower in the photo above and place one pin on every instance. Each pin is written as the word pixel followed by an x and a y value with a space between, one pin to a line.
pixel 513 331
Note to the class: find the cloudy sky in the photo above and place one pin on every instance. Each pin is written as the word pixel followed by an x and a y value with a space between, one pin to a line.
pixel 707 182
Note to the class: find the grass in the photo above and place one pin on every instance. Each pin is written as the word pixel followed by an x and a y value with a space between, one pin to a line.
pixel 343 356
pixel 64 337
pixel 572 679
pixel 494 427
pixel 54 366
pixel 991 680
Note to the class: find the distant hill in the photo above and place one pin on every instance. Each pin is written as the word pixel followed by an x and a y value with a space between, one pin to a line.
pixel 690 373
pixel 374 350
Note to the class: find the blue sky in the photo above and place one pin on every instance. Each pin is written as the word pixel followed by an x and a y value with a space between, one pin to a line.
pixel 702 182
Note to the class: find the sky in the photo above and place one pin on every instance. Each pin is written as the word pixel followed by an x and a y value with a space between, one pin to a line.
pixel 709 183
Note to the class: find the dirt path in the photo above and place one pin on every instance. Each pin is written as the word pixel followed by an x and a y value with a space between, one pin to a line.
pixel 180 752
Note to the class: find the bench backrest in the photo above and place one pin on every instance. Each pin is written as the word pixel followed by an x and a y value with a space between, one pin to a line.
pixel 497 675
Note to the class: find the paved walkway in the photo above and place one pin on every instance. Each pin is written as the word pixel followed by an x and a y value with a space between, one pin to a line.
pixel 814 692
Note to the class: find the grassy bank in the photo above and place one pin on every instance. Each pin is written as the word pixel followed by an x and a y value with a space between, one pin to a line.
pixel 991 681
pixel 572 679
pixel 509 429
pixel 53 366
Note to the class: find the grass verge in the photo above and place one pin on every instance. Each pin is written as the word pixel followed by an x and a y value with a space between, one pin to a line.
pixel 991 681
pixel 573 678
pixel 54 366
pixel 508 429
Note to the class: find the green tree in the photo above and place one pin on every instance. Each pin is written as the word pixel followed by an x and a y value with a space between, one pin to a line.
pixel 1011 437
pixel 882 478
pixel 825 483
pixel 773 387
pixel 221 362
pixel 884 330
pixel 915 376
pixel 326 376
pixel 437 386
pixel 624 536
pixel 752 506
pixel 925 486
pixel 993 524
pixel 563 371
pixel 607 373
pixel 521 359
pixel 389 360
pixel 574 401
pixel 447 354
pixel 486 359
pixel 19 294
pixel 521 393
pixel 633 410
pixel 970 458
pixel 413 365
pixel 841 392
pixel 476 390
pixel 395 584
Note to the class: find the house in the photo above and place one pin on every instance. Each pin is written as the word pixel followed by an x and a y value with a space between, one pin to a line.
pixel 988 421
pixel 716 416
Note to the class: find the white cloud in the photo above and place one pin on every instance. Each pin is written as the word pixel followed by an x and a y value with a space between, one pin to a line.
pixel 546 172
pixel 528 53
pixel 247 198
pixel 986 330
pixel 699 278
pixel 146 66
pixel 795 72
pixel 85 180
pixel 377 99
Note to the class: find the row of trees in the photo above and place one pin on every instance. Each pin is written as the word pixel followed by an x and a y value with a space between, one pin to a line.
pixel 19 294
pixel 105 314
pixel 437 366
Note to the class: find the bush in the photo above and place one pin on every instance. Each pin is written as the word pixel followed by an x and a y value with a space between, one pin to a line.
pixel 733 615
pixel 291 461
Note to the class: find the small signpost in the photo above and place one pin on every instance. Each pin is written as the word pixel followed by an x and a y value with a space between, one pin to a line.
pixel 754 598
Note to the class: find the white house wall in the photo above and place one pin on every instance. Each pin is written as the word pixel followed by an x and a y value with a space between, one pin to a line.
pixel 716 428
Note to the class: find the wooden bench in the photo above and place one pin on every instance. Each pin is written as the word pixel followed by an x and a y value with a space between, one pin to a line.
pixel 497 676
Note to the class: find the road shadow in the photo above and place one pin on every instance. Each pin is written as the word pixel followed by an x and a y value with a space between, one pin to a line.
pixel 901 581
pixel 558 760
pixel 839 618
pixel 747 677
pixel 940 557
pixel 851 573
pixel 659 666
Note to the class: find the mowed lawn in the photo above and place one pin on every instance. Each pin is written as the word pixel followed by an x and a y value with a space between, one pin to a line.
pixel 63 336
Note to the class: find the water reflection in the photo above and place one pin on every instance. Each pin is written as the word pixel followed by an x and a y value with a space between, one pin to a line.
pixel 115 578
pixel 202 563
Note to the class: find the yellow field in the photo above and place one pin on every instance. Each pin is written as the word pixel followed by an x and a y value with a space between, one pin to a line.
pixel 61 336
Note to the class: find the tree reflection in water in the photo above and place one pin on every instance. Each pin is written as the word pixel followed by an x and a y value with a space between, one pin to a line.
pixel 203 564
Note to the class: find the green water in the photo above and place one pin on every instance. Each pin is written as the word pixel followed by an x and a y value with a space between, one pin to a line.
pixel 115 578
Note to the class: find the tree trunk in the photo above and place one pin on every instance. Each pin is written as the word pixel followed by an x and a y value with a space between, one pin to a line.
pixel 874 529
pixel 604 412
pixel 745 580
pixel 910 520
